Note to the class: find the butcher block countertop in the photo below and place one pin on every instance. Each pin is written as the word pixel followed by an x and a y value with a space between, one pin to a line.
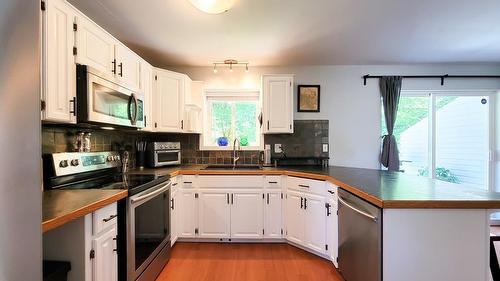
pixel 381 188
pixel 63 206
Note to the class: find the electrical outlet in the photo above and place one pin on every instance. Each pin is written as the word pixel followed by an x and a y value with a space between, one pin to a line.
pixel 325 147
pixel 277 148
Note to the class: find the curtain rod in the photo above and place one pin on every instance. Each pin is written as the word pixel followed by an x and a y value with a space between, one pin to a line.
pixel 442 77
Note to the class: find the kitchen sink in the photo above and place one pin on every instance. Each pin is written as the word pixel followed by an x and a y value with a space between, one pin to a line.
pixel 230 167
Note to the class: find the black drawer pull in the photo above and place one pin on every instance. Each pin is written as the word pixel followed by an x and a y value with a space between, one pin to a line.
pixel 303 185
pixel 110 218
pixel 188 182
pixel 331 192
pixel 273 182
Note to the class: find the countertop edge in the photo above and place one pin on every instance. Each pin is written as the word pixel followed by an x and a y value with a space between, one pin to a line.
pixel 385 204
pixel 82 211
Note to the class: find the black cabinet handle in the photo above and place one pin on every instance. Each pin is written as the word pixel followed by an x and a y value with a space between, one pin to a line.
pixel 110 218
pixel 73 110
pixel 174 184
pixel 227 198
pixel 182 124
pixel 121 69
pixel 331 192
pixel 188 182
pixel 268 125
pixel 232 199
pixel 268 199
pixel 301 202
pixel 327 206
pixel 305 203
pixel 273 182
pixel 114 66
pixel 172 201
pixel 303 185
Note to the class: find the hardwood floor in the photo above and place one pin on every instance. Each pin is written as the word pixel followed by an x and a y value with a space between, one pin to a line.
pixel 245 262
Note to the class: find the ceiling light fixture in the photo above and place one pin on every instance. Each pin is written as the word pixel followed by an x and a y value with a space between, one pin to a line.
pixel 231 63
pixel 213 6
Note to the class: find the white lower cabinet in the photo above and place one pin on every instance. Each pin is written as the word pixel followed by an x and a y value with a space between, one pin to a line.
pixel 295 217
pixel 187 222
pixel 89 244
pixel 214 213
pixel 105 261
pixel 315 223
pixel 174 213
pixel 247 214
pixel 273 215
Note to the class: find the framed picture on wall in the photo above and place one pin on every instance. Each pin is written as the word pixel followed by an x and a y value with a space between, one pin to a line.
pixel 308 98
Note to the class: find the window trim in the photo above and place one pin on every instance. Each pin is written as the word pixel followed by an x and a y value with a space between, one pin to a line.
pixel 230 94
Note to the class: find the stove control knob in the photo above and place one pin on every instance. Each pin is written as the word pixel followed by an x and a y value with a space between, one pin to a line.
pixel 109 158
pixel 63 163
pixel 75 162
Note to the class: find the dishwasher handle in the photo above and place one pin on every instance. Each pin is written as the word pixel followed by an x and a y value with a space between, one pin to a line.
pixel 374 218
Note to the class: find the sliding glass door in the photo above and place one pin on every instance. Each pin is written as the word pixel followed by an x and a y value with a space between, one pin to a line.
pixel 446 135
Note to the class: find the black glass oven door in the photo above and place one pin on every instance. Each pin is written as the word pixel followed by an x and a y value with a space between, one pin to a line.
pixel 152 226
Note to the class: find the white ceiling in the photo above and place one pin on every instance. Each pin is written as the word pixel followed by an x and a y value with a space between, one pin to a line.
pixel 305 32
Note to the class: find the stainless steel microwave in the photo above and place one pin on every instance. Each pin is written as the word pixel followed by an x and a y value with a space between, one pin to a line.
pixel 102 100
pixel 163 154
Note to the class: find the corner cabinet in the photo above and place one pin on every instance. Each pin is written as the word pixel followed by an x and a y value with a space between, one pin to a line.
pixel 168 99
pixel 277 97
pixel 58 62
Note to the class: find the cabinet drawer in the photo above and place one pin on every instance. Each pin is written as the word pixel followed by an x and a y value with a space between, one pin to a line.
pixel 188 181
pixel 306 185
pixel 272 182
pixel 230 181
pixel 104 218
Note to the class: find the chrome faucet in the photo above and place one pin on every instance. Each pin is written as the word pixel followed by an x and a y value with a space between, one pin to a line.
pixel 236 159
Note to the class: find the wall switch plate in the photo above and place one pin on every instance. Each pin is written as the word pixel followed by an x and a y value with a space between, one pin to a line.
pixel 277 148
pixel 325 147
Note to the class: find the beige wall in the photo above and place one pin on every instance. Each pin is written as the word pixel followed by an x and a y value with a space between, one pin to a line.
pixel 353 109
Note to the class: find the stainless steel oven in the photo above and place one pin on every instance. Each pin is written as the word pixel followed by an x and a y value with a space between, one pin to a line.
pixel 163 154
pixel 103 100
pixel 148 232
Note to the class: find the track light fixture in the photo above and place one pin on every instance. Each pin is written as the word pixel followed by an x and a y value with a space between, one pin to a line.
pixel 231 63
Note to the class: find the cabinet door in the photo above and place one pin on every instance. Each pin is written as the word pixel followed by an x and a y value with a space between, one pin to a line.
pixel 168 99
pixel 214 214
pixel 294 217
pixel 247 214
pixel 105 263
pixel 332 232
pixel 96 48
pixel 315 223
pixel 174 205
pixel 188 213
pixel 146 86
pixel 59 68
pixel 274 226
pixel 128 66
pixel 278 110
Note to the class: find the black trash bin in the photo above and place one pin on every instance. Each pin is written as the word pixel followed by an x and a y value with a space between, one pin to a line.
pixel 56 270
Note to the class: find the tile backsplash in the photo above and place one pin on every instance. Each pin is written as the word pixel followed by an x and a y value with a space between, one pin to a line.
pixel 59 138
pixel 305 143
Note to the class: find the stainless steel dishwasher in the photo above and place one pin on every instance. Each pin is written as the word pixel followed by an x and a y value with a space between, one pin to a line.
pixel 360 239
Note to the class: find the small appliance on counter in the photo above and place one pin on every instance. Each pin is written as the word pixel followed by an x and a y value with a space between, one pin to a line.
pixel 267 156
pixel 160 154
pixel 143 243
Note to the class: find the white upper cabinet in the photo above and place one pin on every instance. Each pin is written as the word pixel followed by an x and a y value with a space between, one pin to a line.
pixel 95 47
pixel 169 89
pixel 193 106
pixel 128 67
pixel 247 214
pixel 277 104
pixel 146 87
pixel 58 62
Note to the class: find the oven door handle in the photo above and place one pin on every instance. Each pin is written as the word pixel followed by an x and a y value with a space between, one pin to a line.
pixel 150 194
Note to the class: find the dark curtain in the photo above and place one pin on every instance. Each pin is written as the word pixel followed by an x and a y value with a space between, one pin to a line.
pixel 390 90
